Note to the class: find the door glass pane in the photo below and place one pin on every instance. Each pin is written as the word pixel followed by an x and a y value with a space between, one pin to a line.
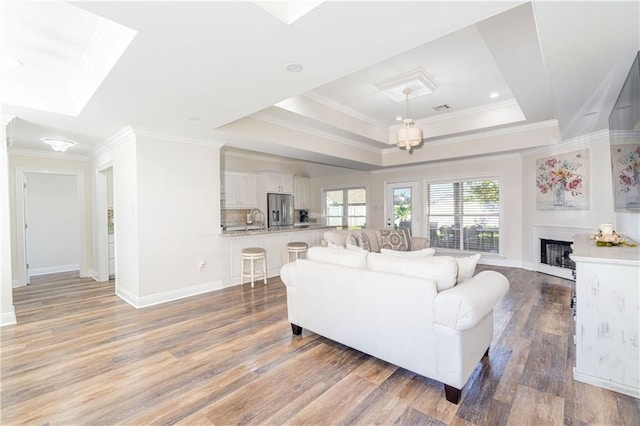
pixel 402 207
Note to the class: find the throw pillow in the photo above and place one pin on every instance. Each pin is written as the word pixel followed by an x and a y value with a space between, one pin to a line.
pixel 395 239
pixel 441 269
pixel 410 254
pixel 348 258
pixel 467 267
pixel 358 239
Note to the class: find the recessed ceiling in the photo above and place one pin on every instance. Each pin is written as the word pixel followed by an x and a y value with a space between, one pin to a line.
pixel 224 63
pixel 56 55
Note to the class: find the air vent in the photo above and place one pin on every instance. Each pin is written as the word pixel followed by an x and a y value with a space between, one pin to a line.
pixel 442 107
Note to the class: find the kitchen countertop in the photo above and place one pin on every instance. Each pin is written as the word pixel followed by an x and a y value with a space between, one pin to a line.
pixel 274 229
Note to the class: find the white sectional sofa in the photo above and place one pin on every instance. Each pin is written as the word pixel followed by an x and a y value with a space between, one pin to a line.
pixel 409 311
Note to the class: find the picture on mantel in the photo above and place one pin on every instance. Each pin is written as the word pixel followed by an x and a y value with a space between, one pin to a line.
pixel 562 181
pixel 625 160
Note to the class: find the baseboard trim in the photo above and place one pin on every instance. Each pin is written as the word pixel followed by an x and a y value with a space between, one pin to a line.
pixel 53 269
pixel 607 384
pixel 8 318
pixel 167 296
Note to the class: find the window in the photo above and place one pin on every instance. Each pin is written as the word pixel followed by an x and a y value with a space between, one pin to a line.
pixel 464 215
pixel 346 207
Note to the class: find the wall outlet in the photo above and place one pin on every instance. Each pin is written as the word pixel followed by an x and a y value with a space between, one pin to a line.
pixel 203 263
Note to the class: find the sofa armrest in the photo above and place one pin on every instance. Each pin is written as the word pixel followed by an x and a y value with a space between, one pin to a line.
pixel 419 243
pixel 288 274
pixel 463 306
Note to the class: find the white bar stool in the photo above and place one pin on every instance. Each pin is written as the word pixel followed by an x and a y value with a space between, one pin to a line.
pixel 296 248
pixel 253 255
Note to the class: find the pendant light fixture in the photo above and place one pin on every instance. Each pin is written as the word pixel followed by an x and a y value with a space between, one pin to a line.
pixel 408 135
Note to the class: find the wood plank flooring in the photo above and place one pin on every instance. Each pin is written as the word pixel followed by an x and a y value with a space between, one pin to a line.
pixel 80 355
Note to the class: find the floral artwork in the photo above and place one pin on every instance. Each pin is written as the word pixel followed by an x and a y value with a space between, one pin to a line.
pixel 562 181
pixel 626 176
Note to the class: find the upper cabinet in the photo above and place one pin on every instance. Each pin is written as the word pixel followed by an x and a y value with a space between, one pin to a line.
pixel 281 183
pixel 300 193
pixel 240 190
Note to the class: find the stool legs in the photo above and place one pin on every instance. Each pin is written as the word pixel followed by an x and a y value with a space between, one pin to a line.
pixel 264 268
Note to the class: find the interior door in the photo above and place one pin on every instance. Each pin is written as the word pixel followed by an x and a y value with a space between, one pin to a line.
pixel 25 211
pixel 403 207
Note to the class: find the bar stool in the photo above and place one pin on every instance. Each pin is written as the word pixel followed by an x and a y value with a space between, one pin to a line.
pixel 252 255
pixel 296 248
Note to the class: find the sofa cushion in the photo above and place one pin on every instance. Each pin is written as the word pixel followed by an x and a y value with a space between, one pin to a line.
pixel 467 267
pixel 441 269
pixel 395 239
pixel 342 257
pixel 409 254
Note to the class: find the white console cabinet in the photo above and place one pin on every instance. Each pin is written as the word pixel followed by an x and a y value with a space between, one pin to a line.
pixel 607 316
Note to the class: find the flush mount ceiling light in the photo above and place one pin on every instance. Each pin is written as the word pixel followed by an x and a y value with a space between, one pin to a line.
pixel 59 145
pixel 408 135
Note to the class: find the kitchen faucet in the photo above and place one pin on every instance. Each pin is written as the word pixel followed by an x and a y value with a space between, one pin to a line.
pixel 261 218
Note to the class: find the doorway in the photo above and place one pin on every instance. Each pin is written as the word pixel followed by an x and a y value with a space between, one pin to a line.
pixel 105 225
pixel 50 231
pixel 403 207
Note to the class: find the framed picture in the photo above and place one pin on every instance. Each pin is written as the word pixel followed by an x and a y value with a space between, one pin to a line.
pixel 625 166
pixel 562 181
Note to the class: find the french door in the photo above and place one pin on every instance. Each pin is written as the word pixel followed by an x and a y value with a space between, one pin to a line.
pixel 403 207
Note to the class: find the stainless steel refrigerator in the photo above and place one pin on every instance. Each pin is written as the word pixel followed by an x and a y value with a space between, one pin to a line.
pixel 280 209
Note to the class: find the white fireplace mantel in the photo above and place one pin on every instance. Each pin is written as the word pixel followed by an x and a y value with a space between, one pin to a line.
pixel 558 233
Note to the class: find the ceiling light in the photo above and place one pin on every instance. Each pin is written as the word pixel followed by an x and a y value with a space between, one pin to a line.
pixel 494 95
pixel 293 67
pixel 408 135
pixel 59 145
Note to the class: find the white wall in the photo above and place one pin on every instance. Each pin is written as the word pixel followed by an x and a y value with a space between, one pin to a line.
pixel 166 196
pixel 600 196
pixel 126 231
pixel 179 215
pixel 7 312
pixel 53 243
pixel 506 167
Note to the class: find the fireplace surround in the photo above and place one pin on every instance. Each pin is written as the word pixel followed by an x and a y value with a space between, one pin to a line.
pixel 552 249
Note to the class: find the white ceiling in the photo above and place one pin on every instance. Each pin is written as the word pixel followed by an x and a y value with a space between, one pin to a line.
pixel 214 71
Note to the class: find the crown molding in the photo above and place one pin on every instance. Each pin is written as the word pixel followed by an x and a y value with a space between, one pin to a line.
pixel 115 140
pixel 455 161
pixel 343 109
pixel 577 142
pixel 210 143
pixel 46 154
pixel 268 118
pixel 132 132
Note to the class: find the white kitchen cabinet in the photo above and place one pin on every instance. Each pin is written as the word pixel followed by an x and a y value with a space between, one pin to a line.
pixel 240 190
pixel 301 192
pixel 607 316
pixel 281 183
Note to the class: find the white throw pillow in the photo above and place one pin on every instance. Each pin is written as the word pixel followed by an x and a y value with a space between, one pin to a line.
pixel 409 254
pixel 467 267
pixel 441 269
pixel 352 259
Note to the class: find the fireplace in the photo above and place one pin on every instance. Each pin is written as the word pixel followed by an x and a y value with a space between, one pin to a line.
pixel 552 247
pixel 556 253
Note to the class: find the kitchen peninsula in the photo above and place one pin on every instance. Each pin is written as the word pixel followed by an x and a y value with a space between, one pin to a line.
pixel 274 240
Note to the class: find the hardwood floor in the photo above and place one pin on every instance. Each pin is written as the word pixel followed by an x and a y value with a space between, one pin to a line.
pixel 80 355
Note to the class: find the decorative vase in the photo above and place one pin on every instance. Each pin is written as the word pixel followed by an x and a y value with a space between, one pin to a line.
pixel 558 195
